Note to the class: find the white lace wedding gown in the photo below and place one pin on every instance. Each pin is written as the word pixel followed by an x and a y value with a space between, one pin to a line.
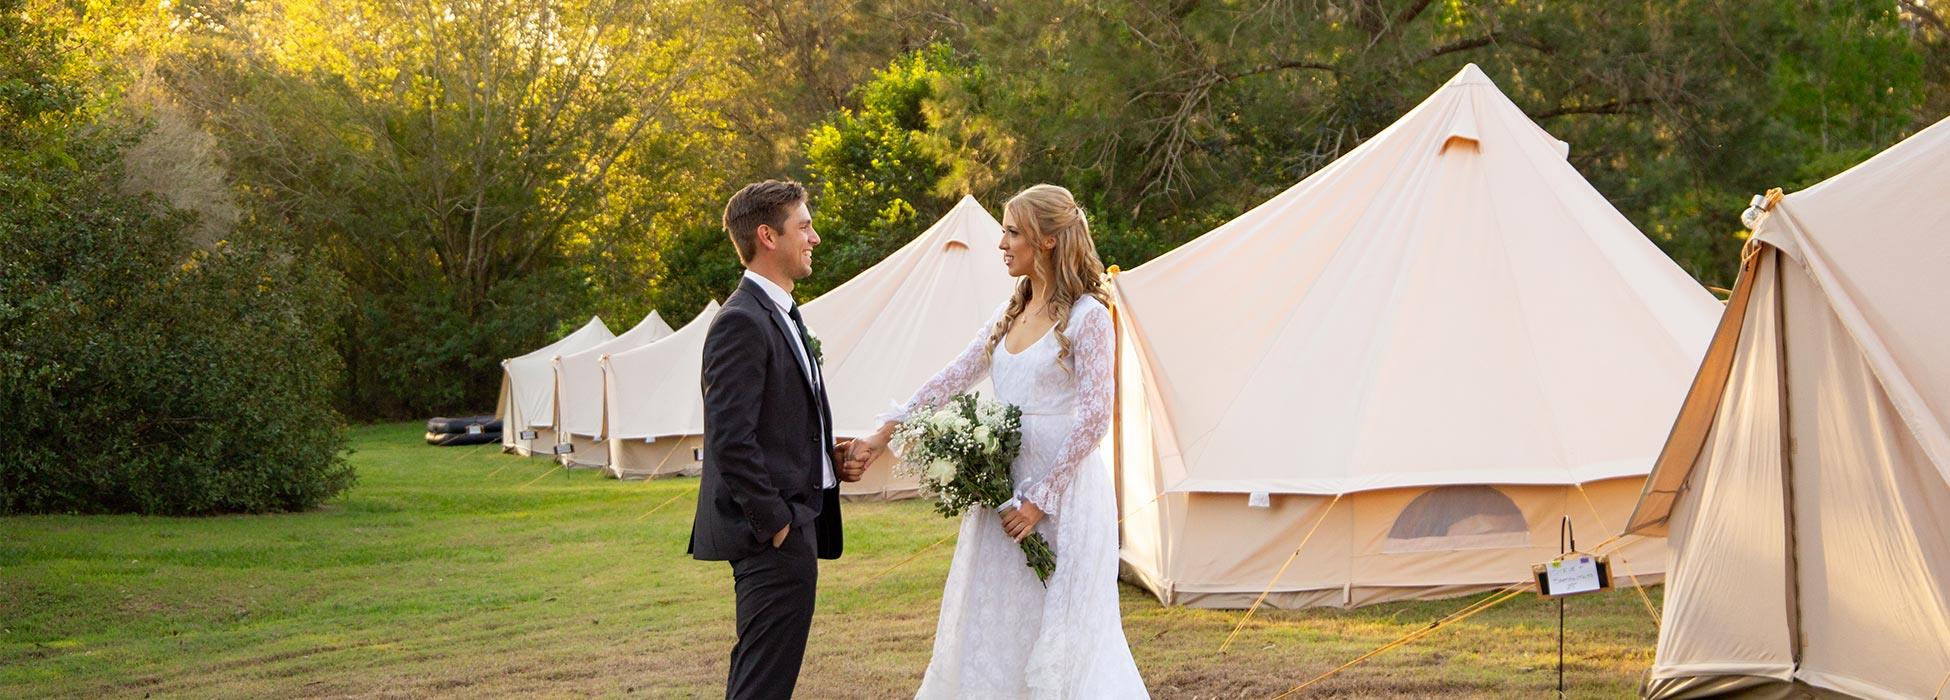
pixel 1001 633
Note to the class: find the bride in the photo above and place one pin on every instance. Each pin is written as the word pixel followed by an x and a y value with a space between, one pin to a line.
pixel 1050 351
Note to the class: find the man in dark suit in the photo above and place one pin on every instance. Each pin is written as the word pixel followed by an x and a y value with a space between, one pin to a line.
pixel 769 499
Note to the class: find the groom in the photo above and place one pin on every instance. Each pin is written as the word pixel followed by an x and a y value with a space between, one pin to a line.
pixel 769 499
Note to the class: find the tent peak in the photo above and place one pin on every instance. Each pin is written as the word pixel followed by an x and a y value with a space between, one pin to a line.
pixel 958 230
pixel 1471 75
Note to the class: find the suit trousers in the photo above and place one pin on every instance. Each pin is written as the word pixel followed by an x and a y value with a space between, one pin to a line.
pixel 776 589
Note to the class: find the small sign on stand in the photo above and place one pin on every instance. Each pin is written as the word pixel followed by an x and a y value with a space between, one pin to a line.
pixel 1572 574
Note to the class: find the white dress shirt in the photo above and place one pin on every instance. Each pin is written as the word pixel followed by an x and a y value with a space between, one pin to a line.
pixel 783 300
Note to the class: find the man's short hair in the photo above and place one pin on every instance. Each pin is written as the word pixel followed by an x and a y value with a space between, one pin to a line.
pixel 759 203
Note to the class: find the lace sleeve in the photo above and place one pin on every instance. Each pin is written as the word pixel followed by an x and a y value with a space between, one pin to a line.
pixel 971 366
pixel 1093 355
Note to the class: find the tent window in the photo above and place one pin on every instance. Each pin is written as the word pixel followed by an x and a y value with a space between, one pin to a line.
pixel 1458 517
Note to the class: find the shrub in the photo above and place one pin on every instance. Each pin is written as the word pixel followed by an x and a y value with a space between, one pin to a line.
pixel 138 371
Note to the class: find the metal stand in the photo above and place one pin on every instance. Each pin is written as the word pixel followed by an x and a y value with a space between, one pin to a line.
pixel 1567 540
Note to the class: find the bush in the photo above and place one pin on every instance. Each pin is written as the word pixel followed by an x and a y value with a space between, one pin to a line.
pixel 140 373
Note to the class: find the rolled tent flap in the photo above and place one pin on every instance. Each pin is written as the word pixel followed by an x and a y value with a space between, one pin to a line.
pixel 1689 431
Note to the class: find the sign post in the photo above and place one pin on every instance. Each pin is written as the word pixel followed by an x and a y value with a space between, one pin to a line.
pixel 1571 573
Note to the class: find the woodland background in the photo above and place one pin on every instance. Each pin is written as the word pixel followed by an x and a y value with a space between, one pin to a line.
pixel 232 225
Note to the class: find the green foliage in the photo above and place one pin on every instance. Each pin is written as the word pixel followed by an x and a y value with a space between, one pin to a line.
pixel 702 267
pixel 1167 118
pixel 142 374
pixel 483 181
pixel 963 467
pixel 882 173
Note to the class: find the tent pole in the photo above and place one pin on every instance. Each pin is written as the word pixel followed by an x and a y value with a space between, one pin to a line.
pixel 1566 541
pixel 1792 559
pixel 1117 414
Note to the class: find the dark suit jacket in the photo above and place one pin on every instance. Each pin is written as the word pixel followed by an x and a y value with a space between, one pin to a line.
pixel 763 436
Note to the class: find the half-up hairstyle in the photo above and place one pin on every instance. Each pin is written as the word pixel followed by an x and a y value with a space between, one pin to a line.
pixel 1072 268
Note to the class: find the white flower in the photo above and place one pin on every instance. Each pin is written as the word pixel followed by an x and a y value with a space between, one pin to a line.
pixel 941 471
pixel 985 438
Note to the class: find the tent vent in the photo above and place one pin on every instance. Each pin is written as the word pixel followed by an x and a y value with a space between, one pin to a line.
pixel 1461 130
pixel 1461 141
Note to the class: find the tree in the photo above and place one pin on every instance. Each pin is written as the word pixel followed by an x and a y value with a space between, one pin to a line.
pixel 1171 116
pixel 144 373
pixel 883 173
pixel 482 172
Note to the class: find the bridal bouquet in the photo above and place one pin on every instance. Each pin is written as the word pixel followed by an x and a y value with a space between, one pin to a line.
pixel 961 451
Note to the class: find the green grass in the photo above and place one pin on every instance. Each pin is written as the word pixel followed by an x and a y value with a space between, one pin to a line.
pixel 457 571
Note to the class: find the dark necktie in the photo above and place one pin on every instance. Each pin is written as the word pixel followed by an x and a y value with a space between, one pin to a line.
pixel 805 343
pixel 819 382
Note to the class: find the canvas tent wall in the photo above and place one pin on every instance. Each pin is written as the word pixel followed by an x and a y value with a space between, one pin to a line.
pixel 1805 487
pixel 1423 355
pixel 579 405
pixel 527 403
pixel 894 325
pixel 654 406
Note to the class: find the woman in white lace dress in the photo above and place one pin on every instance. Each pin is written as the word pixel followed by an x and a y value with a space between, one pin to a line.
pixel 1049 350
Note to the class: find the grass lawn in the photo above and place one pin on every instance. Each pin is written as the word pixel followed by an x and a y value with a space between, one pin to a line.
pixel 457 571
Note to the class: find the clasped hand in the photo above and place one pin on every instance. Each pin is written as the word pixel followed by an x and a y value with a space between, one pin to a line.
pixel 1020 522
pixel 851 457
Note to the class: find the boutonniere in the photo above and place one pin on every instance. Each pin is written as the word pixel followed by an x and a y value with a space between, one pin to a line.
pixel 818 354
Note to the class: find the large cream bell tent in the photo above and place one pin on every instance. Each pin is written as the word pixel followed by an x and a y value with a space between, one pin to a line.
pixel 1407 368
pixel 894 325
pixel 527 404
pixel 579 392
pixel 1805 489
pixel 654 408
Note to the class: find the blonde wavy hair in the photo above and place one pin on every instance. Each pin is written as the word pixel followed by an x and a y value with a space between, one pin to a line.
pixel 1072 268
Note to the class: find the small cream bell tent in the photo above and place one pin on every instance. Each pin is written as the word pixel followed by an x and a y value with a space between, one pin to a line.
pixel 579 392
pixel 894 325
pixel 654 407
pixel 1408 367
pixel 527 403
pixel 1805 488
